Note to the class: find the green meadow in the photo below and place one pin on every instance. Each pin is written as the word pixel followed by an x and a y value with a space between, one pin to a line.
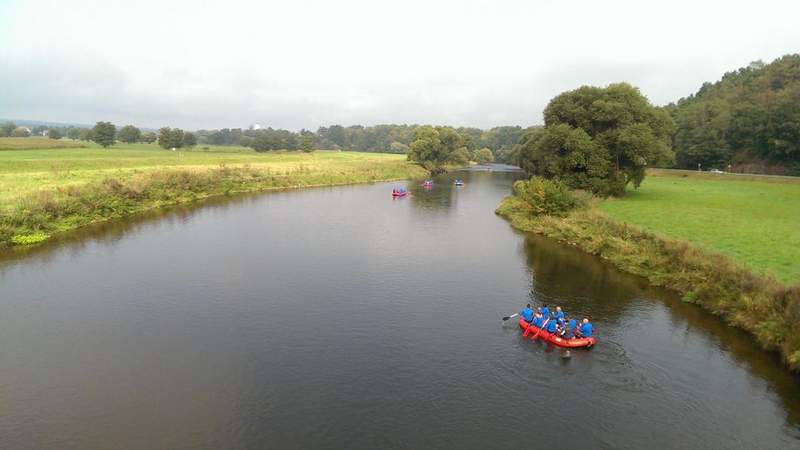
pixel 54 190
pixel 24 172
pixel 755 220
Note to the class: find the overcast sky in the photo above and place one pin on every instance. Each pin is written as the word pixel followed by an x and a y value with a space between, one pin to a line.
pixel 294 64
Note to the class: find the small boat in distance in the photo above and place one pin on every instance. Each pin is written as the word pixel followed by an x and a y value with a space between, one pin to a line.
pixel 399 192
pixel 459 182
pixel 427 183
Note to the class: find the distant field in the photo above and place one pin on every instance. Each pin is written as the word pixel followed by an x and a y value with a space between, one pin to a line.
pixel 7 143
pixel 25 171
pixel 754 219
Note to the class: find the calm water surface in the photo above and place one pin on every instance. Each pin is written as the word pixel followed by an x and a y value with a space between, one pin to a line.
pixel 340 318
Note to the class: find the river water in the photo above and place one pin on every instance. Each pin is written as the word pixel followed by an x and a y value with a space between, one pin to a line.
pixel 341 318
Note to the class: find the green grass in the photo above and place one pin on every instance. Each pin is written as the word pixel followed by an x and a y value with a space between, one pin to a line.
pixel 49 191
pixel 755 220
pixel 9 143
pixel 24 172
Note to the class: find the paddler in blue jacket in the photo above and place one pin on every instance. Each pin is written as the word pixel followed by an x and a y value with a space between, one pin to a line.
pixel 585 329
pixel 527 313
pixel 568 329
pixel 552 326
pixel 558 315
pixel 545 312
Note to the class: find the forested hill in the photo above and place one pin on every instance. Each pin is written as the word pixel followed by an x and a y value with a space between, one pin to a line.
pixel 749 120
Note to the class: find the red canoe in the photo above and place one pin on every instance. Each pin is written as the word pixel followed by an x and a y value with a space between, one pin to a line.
pixel 399 194
pixel 555 340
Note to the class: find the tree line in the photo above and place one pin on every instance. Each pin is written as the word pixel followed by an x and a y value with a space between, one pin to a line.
pixel 747 121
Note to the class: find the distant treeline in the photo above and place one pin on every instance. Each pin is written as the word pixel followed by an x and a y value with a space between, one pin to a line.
pixel 749 121
pixel 378 138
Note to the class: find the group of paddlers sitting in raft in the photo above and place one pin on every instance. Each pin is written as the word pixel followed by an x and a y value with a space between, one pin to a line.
pixel 556 323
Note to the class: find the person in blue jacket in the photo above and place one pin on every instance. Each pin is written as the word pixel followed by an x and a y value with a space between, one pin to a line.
pixel 568 328
pixel 585 329
pixel 527 313
pixel 545 312
pixel 537 320
pixel 552 326
pixel 558 314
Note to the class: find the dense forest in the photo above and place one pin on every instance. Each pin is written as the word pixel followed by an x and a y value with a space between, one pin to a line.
pixel 749 121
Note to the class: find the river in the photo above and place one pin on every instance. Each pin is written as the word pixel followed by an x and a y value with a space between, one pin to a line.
pixel 342 318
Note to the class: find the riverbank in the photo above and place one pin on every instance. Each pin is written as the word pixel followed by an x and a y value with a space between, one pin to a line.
pixel 753 219
pixel 759 304
pixel 46 192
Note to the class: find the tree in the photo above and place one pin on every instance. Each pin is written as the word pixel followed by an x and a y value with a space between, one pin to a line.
pixel 148 137
pixel 7 128
pixel 74 133
pixel 484 155
pixel 435 147
pixel 129 134
pixel 103 133
pixel 170 137
pixel 189 140
pixel 306 141
pixel 20 132
pixel 598 139
pixel 54 133
pixel 85 134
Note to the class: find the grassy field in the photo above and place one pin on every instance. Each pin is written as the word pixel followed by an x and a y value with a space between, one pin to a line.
pixel 38 142
pixel 755 220
pixel 24 172
pixel 49 191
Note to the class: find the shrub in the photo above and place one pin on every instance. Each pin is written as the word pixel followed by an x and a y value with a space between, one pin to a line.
pixel 550 197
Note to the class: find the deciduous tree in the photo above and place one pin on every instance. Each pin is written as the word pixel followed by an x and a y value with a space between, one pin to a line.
pixel 104 134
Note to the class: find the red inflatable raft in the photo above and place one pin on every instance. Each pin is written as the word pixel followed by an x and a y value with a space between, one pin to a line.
pixel 555 340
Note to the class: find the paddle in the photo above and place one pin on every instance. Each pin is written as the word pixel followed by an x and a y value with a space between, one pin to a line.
pixel 528 329
pixel 509 317
pixel 540 329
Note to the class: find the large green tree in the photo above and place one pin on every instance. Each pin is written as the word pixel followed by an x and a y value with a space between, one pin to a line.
pixel 104 133
pixel 170 137
pixel 436 147
pixel 598 139
pixel 129 134
pixel 484 155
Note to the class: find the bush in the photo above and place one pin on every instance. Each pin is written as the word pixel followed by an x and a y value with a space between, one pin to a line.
pixel 550 197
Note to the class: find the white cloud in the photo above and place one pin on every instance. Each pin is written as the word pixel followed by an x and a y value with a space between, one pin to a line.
pixel 300 64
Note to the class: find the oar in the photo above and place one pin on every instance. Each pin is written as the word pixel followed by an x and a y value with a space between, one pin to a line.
pixel 540 329
pixel 509 317
pixel 528 329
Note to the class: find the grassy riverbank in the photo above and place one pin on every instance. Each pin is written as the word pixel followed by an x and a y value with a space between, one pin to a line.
pixel 704 274
pixel 43 192
pixel 754 220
